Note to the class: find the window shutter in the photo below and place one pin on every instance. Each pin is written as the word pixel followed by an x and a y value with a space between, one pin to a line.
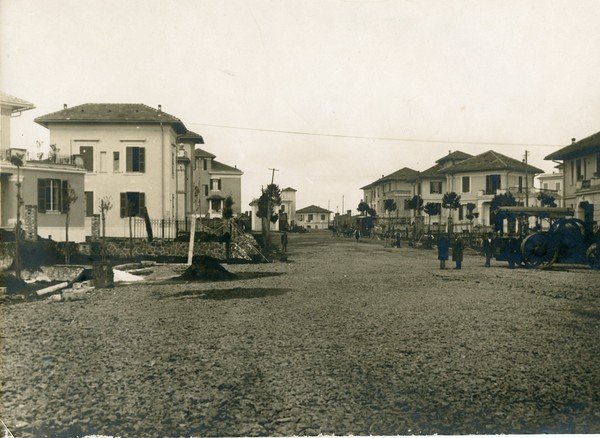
pixel 219 184
pixel 123 204
pixel 142 160
pixel 41 195
pixel 129 159
pixel 64 196
pixel 142 204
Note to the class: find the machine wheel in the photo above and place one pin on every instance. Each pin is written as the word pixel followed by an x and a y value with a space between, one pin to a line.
pixel 593 256
pixel 538 252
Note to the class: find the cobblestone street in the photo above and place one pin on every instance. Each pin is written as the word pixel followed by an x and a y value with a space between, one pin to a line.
pixel 348 338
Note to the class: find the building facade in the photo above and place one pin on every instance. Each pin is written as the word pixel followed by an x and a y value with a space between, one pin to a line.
pixel 213 183
pixel 313 217
pixel 136 156
pixel 552 184
pixel 397 186
pixel 581 176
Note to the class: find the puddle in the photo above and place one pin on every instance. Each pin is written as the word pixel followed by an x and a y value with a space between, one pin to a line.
pixel 230 294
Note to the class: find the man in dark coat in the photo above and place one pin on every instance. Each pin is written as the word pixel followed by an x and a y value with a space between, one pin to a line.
pixel 457 252
pixel 488 248
pixel 443 246
pixel 284 242
pixel 357 234
pixel 512 248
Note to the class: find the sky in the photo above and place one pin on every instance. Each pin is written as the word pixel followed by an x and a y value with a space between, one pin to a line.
pixel 389 84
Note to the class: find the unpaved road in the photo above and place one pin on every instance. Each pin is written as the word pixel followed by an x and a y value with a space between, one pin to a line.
pixel 347 338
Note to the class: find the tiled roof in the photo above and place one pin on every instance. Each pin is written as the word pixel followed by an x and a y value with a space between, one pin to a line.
pixel 112 113
pixel 456 156
pixel 202 153
pixel 404 174
pixel 490 160
pixel 313 209
pixel 191 135
pixel 588 145
pixel 220 167
pixel 18 104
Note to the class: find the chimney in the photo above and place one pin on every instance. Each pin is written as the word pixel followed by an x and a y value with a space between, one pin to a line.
pixel 159 108
pixel 64 106
pixel 572 140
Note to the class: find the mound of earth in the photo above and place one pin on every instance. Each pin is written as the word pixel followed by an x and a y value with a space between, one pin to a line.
pixel 206 268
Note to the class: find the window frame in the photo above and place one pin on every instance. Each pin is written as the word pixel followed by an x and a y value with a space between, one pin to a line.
pixel 130 159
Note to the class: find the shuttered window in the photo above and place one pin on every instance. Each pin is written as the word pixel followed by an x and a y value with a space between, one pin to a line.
pixel 52 195
pixel 89 203
pixel 132 203
pixel 135 159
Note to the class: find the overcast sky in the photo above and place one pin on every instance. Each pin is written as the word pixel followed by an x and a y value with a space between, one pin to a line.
pixel 522 72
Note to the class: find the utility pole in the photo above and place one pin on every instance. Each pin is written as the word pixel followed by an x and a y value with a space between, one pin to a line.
pixel 526 178
pixel 273 174
pixel 343 204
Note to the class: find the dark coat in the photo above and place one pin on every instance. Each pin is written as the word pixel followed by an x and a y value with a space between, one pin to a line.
pixel 488 246
pixel 443 246
pixel 457 250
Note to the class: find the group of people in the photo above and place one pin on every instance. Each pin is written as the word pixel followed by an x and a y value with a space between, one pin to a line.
pixel 458 247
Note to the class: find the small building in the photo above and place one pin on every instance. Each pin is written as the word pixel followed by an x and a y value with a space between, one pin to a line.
pixel 552 184
pixel 287 209
pixel 213 183
pixel 581 176
pixel 313 217
pixel 397 186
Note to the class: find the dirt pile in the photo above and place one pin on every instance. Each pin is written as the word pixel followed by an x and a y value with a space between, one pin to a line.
pixel 206 268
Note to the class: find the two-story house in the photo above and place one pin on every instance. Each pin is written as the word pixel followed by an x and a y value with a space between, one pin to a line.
pixel 431 184
pixel 552 184
pixel 478 179
pixel 397 186
pixel 313 217
pixel 213 183
pixel 45 186
pixel 581 176
pixel 135 155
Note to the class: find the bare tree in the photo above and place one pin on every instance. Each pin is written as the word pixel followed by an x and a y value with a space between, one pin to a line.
pixel 70 198
pixel 17 160
pixel 105 206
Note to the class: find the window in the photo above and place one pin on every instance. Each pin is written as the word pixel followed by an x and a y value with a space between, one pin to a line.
pixel 204 164
pixel 435 187
pixel 215 204
pixel 103 161
pixel 87 152
pixel 322 217
pixel 545 186
pixel 301 217
pixel 389 187
pixel 282 209
pixel 492 184
pixel 520 189
pixel 89 203
pixel 597 174
pixel 419 189
pixel 215 184
pixel 116 162
pixel 558 187
pixel 135 159
pixel 310 218
pixel 572 172
pixel 466 184
pixel 205 189
pixel 578 170
pixel 132 203
pixel 51 194
pixel 461 213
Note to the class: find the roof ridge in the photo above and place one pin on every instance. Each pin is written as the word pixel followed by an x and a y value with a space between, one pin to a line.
pixel 498 156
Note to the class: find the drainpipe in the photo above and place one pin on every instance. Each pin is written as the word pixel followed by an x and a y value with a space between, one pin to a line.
pixel 162 173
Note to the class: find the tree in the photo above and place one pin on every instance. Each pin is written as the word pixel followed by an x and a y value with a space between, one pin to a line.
pixel 105 206
pixel 415 204
pixel 71 197
pixel 17 160
pixel 363 207
pixel 470 215
pixel 269 198
pixel 502 200
pixel 431 209
pixel 546 200
pixel 451 201
pixel 371 212
pixel 389 205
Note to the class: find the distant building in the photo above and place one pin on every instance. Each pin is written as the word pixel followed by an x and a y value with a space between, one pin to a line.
pixel 313 217
pixel 213 182
pixel 581 176
pixel 552 184
pixel 288 204
pixel 397 186
pixel 45 186
pixel 285 211
pixel 138 156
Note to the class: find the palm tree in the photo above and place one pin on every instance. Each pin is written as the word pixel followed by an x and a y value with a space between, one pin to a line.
pixel 363 207
pixel 17 160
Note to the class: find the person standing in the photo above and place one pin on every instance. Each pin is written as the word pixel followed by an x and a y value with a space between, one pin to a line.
pixel 488 249
pixel 357 234
pixel 284 242
pixel 457 252
pixel 513 251
pixel 443 246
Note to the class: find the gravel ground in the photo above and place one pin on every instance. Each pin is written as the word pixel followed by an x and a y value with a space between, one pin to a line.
pixel 347 338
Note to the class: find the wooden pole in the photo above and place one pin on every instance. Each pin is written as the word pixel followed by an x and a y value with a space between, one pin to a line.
pixel 193 219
